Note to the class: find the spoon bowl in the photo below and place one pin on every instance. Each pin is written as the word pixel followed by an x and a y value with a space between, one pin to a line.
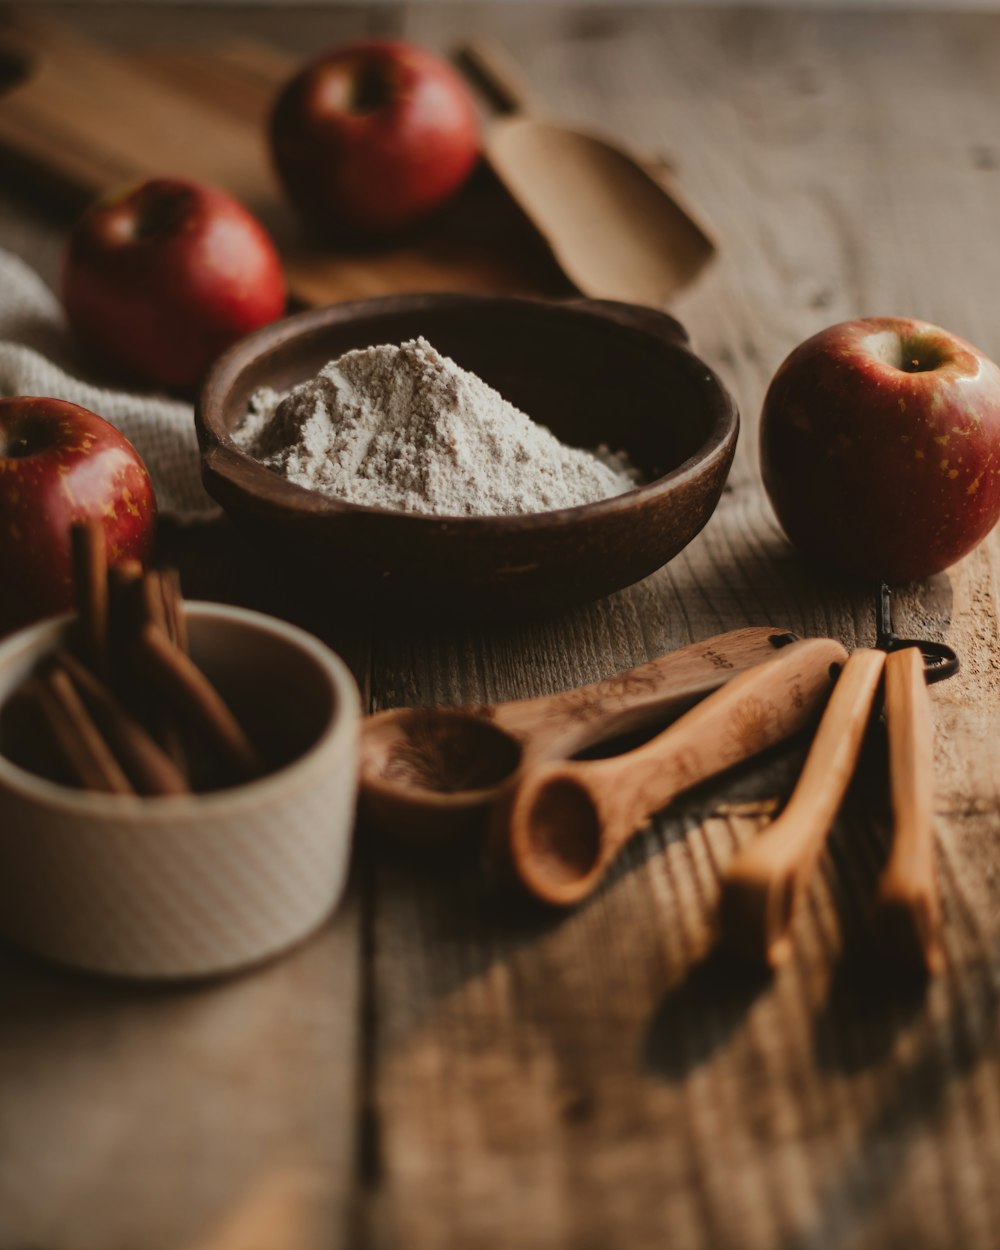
pixel 432 772
pixel 441 751
pixel 559 839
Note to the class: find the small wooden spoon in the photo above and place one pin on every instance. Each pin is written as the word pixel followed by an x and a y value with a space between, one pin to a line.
pixel 433 772
pixel 566 822
pixel 765 880
pixel 615 223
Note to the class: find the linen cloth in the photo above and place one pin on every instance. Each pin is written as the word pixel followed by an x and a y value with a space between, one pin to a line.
pixel 38 357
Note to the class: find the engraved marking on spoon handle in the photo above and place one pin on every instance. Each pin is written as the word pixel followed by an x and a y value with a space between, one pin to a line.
pixel 555 726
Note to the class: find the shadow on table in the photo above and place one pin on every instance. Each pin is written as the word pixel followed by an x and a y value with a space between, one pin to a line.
pixel 467 900
pixel 701 1013
pixel 859 1022
pixel 952 1032
pixel 867 1007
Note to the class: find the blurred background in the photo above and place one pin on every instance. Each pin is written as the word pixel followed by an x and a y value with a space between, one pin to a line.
pixel 951 5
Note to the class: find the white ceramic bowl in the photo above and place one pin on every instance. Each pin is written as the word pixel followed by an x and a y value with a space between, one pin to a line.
pixel 201 885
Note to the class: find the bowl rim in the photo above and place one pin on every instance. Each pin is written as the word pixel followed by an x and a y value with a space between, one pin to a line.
pixel 221 456
pixel 342 725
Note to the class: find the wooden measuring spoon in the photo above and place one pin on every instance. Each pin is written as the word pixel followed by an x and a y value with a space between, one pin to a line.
pixel 431 773
pixel 907 903
pixel 762 884
pixel 616 224
pixel 565 822
pixel 764 881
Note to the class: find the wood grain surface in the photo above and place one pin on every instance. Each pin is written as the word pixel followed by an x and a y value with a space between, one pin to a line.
pixel 444 1070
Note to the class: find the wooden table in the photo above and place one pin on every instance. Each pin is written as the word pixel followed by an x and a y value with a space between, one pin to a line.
pixel 440 1070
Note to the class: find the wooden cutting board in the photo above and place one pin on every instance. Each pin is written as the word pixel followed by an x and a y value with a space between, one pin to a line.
pixel 77 119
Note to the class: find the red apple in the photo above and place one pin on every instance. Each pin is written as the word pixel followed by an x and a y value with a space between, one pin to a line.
pixel 60 464
pixel 160 278
pixel 880 447
pixel 372 136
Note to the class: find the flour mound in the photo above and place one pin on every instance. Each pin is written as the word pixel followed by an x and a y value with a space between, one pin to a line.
pixel 406 428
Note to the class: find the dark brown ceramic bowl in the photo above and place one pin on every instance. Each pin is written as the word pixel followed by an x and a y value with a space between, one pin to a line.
pixel 594 372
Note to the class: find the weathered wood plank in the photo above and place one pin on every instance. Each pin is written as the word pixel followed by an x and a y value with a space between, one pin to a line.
pixel 220 1117
pixel 133 1117
pixel 593 1080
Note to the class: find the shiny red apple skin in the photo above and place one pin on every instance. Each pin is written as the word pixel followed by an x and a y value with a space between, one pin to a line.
pixel 372 136
pixel 160 278
pixel 59 464
pixel 880 447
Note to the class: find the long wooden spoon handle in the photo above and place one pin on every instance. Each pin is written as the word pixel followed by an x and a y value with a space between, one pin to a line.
pixel 754 711
pixel 555 726
pixel 90 583
pixel 491 68
pixel 907 904
pixel 761 885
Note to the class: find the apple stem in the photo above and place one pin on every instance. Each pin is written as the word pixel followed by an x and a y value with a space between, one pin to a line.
pixel 371 90
pixel 162 211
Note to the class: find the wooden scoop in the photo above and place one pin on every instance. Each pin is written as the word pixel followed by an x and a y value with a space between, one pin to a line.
pixel 566 822
pixel 615 223
pixel 432 773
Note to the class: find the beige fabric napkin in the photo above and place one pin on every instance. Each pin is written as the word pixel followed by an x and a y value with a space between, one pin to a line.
pixel 37 357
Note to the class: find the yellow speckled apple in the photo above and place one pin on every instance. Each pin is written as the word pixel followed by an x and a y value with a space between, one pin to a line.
pixel 60 464
pixel 880 447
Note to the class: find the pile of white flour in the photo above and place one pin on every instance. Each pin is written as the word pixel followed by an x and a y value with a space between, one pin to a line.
pixel 407 428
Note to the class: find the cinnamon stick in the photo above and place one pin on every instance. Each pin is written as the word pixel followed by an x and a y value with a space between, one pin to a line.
pixel 173 606
pixel 78 739
pixel 193 695
pixel 154 610
pixel 90 582
pixel 123 624
pixel 124 574
pixel 148 766
pixel 114 709
pixel 151 598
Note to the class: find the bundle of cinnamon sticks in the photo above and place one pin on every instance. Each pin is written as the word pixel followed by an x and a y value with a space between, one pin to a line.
pixel 123 709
